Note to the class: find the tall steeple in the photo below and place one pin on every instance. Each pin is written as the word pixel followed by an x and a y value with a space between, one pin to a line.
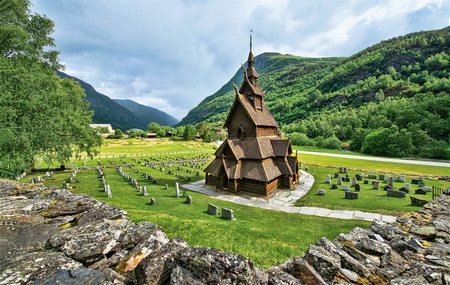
pixel 251 71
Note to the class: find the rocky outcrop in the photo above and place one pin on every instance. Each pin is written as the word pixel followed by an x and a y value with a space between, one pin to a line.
pixel 51 236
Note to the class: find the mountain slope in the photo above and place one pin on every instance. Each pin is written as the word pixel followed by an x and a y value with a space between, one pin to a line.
pixel 147 114
pixel 213 108
pixel 395 91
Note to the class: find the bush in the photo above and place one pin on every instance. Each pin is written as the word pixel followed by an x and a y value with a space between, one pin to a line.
pixel 332 143
pixel 301 139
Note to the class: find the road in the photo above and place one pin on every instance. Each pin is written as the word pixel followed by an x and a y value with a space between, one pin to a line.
pixel 376 158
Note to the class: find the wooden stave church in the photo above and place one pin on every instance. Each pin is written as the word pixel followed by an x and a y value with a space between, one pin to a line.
pixel 254 158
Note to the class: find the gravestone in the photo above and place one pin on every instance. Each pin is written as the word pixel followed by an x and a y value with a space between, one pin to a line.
pixel 321 192
pixel 177 189
pixel 420 191
pixel 427 189
pixel 346 179
pixel 417 202
pixel 408 186
pixel 403 189
pixel 372 176
pixel 388 187
pixel 421 183
pixel 386 178
pixel 227 214
pixel 345 187
pixel 339 182
pixel 145 190
pixel 366 181
pixel 152 201
pixel 109 191
pixel 393 193
pixel 375 184
pixel 213 210
pixel 334 186
pixel 351 195
pixel 189 199
pixel 415 181
pixel 381 177
pixel 359 177
pixel 391 182
pixel 354 181
pixel 167 187
pixel 336 175
pixel 328 179
pixel 357 187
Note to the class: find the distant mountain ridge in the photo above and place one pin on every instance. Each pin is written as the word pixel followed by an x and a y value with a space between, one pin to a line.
pixel 147 114
pixel 108 111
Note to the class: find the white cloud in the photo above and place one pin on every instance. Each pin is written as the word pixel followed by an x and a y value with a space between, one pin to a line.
pixel 171 54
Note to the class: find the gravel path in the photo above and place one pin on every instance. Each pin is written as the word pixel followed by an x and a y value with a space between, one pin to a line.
pixel 284 201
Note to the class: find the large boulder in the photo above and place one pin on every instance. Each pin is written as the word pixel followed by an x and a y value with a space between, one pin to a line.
pixel 200 265
pixel 91 242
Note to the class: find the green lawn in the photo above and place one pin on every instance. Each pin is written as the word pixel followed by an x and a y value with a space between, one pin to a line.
pixel 267 237
pixel 369 200
pixel 366 165
pixel 326 150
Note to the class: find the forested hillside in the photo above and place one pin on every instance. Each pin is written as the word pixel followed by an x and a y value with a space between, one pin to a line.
pixel 147 114
pixel 390 99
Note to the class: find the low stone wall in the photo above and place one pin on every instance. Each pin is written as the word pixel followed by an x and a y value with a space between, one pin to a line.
pixel 49 235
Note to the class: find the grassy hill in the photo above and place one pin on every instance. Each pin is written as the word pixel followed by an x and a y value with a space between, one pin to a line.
pixel 389 99
pixel 147 114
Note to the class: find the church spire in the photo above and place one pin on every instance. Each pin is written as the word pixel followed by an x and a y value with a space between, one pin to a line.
pixel 251 71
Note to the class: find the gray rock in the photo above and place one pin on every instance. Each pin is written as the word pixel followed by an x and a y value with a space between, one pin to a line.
pixel 279 277
pixel 302 270
pixel 426 232
pixel 371 246
pixel 25 268
pixel 321 192
pixel 156 267
pixel 387 231
pixel 90 242
pixel 100 211
pixel 326 263
pixel 73 277
pixel 150 242
pixel 201 265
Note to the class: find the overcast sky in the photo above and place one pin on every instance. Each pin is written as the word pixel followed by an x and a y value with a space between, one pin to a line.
pixel 171 54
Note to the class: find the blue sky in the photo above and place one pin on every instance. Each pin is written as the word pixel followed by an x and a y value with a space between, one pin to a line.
pixel 171 54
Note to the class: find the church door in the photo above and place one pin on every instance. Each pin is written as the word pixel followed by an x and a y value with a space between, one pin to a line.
pixel 224 180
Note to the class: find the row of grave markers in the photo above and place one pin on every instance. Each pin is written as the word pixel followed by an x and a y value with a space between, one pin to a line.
pixel 105 185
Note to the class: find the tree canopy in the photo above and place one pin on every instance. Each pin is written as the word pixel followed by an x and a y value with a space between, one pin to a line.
pixel 41 115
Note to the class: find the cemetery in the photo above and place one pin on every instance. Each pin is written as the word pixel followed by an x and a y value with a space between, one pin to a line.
pixel 145 185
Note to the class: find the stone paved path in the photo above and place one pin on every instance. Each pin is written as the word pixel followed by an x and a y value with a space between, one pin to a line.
pixel 284 201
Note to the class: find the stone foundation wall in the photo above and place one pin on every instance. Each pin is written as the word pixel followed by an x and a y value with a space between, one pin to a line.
pixel 49 235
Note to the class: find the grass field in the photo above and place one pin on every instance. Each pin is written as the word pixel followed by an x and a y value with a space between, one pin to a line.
pixel 379 166
pixel 267 237
pixel 369 200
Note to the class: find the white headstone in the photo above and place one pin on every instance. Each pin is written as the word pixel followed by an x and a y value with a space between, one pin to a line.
pixel 177 193
pixel 328 180
pixel 339 182
pixel 408 186
pixel 109 191
pixel 145 190
pixel 354 181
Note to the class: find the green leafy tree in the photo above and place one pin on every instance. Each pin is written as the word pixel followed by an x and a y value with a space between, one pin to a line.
pixel 41 115
pixel 154 127
pixel 189 132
